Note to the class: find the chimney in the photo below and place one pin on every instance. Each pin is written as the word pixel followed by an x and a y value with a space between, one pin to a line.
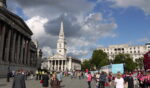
pixel 3 4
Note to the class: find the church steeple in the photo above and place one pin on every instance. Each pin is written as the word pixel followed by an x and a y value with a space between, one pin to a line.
pixel 61 43
pixel 61 33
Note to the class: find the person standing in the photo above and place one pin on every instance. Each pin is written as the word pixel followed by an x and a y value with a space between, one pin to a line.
pixel 102 81
pixel 8 76
pixel 19 80
pixel 119 81
pixel 129 81
pixel 45 79
pixel 37 75
pixel 89 79
pixel 54 82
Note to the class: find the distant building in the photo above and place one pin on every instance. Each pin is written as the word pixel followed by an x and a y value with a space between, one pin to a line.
pixel 60 61
pixel 135 51
pixel 17 51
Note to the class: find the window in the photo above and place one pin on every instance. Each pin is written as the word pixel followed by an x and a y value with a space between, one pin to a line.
pixel 60 45
pixel 134 51
pixel 59 50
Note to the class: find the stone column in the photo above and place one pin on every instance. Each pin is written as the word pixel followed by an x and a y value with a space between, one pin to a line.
pixel 21 50
pixel 28 57
pixel 65 66
pixel 25 52
pixel 13 47
pixel 2 38
pixel 7 48
pixel 62 65
pixel 58 64
pixel 50 65
pixel 18 50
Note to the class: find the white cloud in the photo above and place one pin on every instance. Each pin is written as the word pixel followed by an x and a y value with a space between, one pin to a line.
pixel 82 28
pixel 141 4
pixel 47 51
pixel 143 40
pixel 36 24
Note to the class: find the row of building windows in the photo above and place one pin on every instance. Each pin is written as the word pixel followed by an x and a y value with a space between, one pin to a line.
pixel 122 49
pixel 124 52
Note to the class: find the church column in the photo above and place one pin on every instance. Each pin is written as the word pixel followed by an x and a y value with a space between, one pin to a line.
pixel 2 38
pixel 48 64
pixel 58 64
pixel 62 65
pixel 54 64
pixel 65 65
pixel 13 47
pixel 18 50
pixel 7 48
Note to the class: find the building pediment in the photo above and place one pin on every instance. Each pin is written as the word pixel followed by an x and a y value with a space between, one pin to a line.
pixel 58 56
pixel 15 21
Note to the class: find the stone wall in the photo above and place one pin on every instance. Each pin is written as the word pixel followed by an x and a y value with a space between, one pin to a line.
pixel 4 69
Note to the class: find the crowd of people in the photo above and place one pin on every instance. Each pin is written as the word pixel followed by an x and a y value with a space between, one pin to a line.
pixel 127 80
pixel 100 79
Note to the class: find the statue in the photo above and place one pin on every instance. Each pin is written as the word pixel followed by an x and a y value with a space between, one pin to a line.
pixel 3 3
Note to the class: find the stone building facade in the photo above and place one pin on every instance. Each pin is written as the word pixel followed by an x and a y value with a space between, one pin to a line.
pixel 60 61
pixel 17 51
pixel 135 51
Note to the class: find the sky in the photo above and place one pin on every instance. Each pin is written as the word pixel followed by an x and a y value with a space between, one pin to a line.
pixel 88 24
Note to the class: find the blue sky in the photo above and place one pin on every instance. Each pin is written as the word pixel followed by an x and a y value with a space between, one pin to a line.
pixel 88 25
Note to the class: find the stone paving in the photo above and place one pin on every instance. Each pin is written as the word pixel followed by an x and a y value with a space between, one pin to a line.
pixel 67 83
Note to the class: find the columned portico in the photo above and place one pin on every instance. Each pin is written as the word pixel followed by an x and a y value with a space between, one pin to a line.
pixel 16 50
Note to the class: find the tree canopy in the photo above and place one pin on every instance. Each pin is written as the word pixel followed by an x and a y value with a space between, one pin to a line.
pixel 126 59
pixel 99 58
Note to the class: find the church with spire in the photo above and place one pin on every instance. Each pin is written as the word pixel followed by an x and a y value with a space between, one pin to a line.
pixel 60 61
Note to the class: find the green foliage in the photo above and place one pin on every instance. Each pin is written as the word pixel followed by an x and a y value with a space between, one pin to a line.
pixel 86 65
pixel 140 63
pixel 99 58
pixel 129 64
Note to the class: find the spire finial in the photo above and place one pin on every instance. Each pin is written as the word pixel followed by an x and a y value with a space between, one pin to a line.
pixel 61 29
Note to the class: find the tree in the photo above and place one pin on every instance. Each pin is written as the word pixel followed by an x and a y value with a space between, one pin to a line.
pixel 126 59
pixel 86 65
pixel 99 58
pixel 140 63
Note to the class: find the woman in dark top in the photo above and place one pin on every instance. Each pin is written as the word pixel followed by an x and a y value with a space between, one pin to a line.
pixel 54 82
pixel 129 80
pixel 45 79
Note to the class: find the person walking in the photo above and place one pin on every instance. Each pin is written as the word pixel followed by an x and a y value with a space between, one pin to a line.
pixel 119 81
pixel 89 79
pixel 54 82
pixel 45 79
pixel 129 81
pixel 19 80
pixel 102 81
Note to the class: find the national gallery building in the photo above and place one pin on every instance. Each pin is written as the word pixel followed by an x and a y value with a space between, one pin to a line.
pixel 17 51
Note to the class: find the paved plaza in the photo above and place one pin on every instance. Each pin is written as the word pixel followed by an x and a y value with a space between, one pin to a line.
pixel 67 83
